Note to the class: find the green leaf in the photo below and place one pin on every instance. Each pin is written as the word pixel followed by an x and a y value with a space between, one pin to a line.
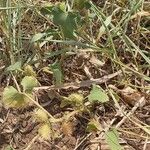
pixel 79 4
pixel 55 53
pixel 65 101
pixel 103 27
pixel 58 76
pixel 66 21
pixel 15 66
pixel 46 8
pixel 57 73
pixel 28 83
pixel 8 148
pixel 62 6
pixel 93 125
pixel 98 94
pixel 12 98
pixel 112 139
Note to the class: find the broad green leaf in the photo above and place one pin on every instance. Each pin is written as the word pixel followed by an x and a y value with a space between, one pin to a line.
pixel 66 21
pixel 12 98
pixel 112 139
pixel 15 66
pixel 45 131
pixel 28 83
pixel 98 94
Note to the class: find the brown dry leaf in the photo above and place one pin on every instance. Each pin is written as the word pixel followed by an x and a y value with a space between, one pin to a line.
pixel 130 96
pixel 53 94
pixel 140 14
pixel 96 61
pixel 67 128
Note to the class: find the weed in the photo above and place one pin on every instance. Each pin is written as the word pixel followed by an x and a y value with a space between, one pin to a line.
pixel 36 39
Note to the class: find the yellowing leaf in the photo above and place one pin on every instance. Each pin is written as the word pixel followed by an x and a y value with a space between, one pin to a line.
pixel 98 94
pixel 40 115
pixel 112 139
pixel 47 70
pixel 28 71
pixel 8 148
pixel 28 83
pixel 45 131
pixel 93 125
pixel 141 14
pixel 12 98
pixel 65 101
pixel 62 6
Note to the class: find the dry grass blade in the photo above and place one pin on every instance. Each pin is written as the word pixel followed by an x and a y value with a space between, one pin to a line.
pixel 31 143
pixel 86 83
pixel 126 116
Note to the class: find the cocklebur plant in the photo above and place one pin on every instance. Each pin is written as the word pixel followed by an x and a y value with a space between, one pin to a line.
pixel 77 101
pixel 97 94
pixel 22 97
pixel 17 98
pixel 79 104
